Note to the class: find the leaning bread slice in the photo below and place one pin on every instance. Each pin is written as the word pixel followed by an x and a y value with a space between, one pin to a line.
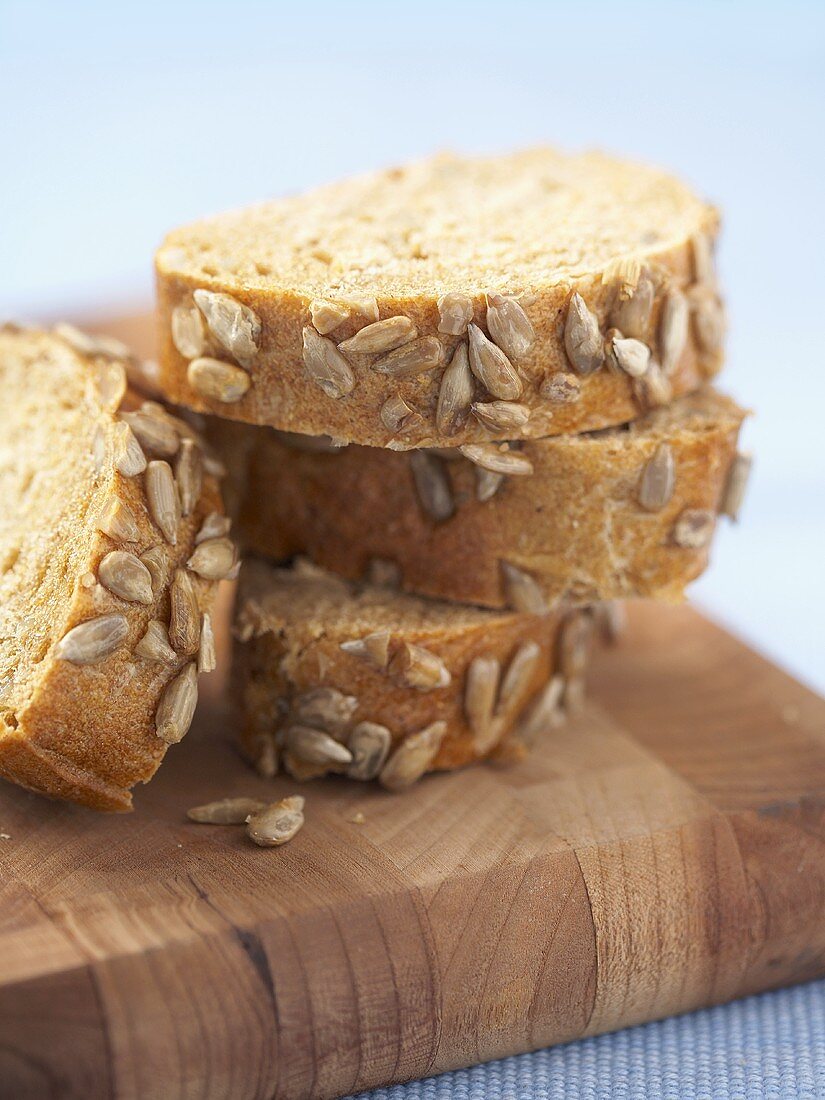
pixel 451 301
pixel 374 684
pixel 104 594
pixel 622 512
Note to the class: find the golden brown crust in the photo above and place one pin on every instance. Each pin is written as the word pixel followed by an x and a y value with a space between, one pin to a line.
pixel 575 524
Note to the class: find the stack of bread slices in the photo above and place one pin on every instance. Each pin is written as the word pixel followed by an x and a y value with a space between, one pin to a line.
pixel 461 408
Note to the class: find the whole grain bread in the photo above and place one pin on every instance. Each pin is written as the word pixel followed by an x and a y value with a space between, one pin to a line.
pixel 373 683
pixel 403 308
pixel 579 515
pixel 104 595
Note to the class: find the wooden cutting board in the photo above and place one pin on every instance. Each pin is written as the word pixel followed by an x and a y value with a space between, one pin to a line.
pixel 663 851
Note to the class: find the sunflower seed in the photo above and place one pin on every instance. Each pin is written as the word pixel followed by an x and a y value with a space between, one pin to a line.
pixel 543 712
pixel 397 416
pixel 632 356
pixel 455 393
pixel 432 485
pixel 326 365
pixel 703 267
pixel 574 644
pixel 673 329
pixel 561 389
pixel 694 528
pixel 708 321
pixel 266 757
pixel 611 619
pixel 188 333
pixel 226 811
pixel 480 691
pixel 154 433
pixel 369 744
pixel 501 415
pixel 315 746
pixel 413 757
pixel 184 614
pixel 517 678
pixel 207 657
pixel 574 693
pixel 327 315
pixel 278 823
pixel 417 356
pixel 654 388
pixel 623 274
pixel 455 311
pixel 522 591
pixel 235 326
pixel 129 457
pixel 213 559
pixel 109 381
pixel 737 483
pixel 154 645
pixel 189 476
pixel 126 576
pixel 86 344
pixel 217 380
pixel 164 503
pixel 417 667
pixel 155 561
pixel 631 313
pixel 89 642
pixel 380 336
pixel 582 339
pixel 117 520
pixel 658 479
pixel 215 526
pixel 487 484
pixel 509 326
pixel 373 648
pixel 383 573
pixel 498 458
pixel 177 705
pixel 492 367
pixel 325 708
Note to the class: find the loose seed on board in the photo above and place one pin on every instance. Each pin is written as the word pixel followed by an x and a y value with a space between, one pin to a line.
pixel 184 614
pixel 126 576
pixel 316 746
pixel 215 526
pixel 188 333
pixel 631 314
pixel 415 357
pixel 561 389
pixel 154 645
pixel 418 668
pixel 658 479
pixel 673 329
pixel 373 648
pixel 326 365
pixel 226 811
pixel 117 520
pixel 736 485
pixel 498 458
pixel 128 454
pixel 432 485
pixel 164 502
pixel 369 744
pixel 487 484
pixel 397 416
pixel 517 677
pixel 217 380
pixel 213 559
pixel 501 415
pixel 235 326
pixel 509 326
pixel 694 528
pixel 455 393
pixel 455 311
pixel 492 367
pixel 326 315
pixel 278 823
pixel 154 433
pixel 92 641
pixel 189 475
pixel 207 657
pixel 631 355
pixel 380 336
pixel 480 692
pixel 177 705
pixel 543 713
pixel 413 757
pixel 582 338
pixel 324 708
pixel 522 591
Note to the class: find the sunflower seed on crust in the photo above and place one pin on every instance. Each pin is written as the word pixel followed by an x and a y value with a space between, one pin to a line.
pixel 207 657
pixel 177 706
pixel 487 484
pixel 582 339
pixel 423 354
pixel 128 454
pixel 215 526
pixel 369 744
pixel 480 692
pixel 184 614
pixel 673 329
pixel 561 389
pixel 265 757
pixel 611 618
pixel 92 641
pixel 574 644
pixel 155 560
pixel 213 559
pixel 164 502
pixel 92 345
pixel 654 388
pixel 397 416
pixel 709 321
pixel 316 746
pixel 412 757
pixel 276 824
pixel 631 312
pixel 188 331
pixel 501 415
pixel 126 576
pixel 373 648
pixel 324 708
pixel 154 433
pixel 455 311
pixel 117 520
pixel 455 393
pixel 217 381
pixel 658 479
pixel 694 528
pixel 497 458
pixel 736 485
pixel 432 485
pixel 417 667
pixel 522 591
pixel 326 365
pixel 517 677
pixel 109 380
pixel 380 336
pixel 326 315
pixel 543 712
pixel 492 367
pixel 236 327
pixel 631 355
pixel 154 645
pixel 189 476
pixel 226 811
pixel 704 271
pixel 509 326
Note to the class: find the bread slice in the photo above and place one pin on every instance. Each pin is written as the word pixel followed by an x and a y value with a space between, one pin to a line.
pixel 103 625
pixel 382 310
pixel 576 516
pixel 372 683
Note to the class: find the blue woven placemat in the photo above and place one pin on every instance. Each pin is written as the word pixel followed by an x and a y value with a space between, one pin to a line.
pixel 770 1047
